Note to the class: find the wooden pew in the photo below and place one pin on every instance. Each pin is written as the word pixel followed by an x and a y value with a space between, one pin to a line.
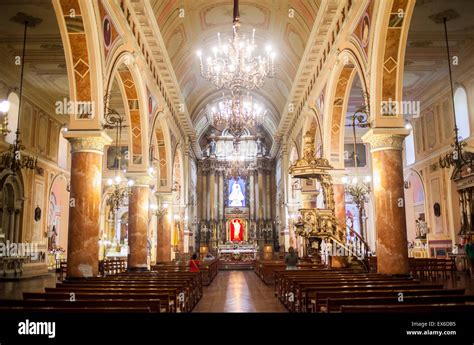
pixel 73 310
pixel 335 304
pixel 415 308
pixel 152 304
pixel 167 300
pixel 316 299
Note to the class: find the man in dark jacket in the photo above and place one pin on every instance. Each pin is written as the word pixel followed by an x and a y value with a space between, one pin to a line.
pixel 291 259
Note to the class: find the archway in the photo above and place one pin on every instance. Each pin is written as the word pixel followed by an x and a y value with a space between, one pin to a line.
pixel 179 243
pixel 415 205
pixel 294 203
pixel 11 208
pixel 58 215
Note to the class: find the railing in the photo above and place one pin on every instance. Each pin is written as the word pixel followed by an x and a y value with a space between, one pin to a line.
pixel 357 247
pixel 112 266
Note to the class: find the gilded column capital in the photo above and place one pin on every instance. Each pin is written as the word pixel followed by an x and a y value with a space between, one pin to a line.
pixel 385 138
pixel 88 141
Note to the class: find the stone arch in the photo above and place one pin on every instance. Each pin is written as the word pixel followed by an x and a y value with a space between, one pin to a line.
pixel 414 191
pixel 178 171
pixel 337 98
pixel 134 96
pixel 59 191
pixel 160 150
pixel 388 60
pixel 294 196
pixel 77 25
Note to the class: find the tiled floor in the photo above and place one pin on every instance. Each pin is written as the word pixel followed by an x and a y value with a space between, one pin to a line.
pixel 15 289
pixel 238 291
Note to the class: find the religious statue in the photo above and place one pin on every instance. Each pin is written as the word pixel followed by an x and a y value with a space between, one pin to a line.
pixel 421 228
pixel 259 146
pixel 212 147
pixel 37 213
pixel 52 240
pixel 236 197
pixel 237 228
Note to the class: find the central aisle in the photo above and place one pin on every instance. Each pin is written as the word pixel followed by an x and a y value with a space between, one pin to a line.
pixel 238 291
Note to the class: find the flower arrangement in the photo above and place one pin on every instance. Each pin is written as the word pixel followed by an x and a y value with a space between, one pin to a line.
pixel 57 251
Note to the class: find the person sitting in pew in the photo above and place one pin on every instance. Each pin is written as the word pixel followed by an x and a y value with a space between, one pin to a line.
pixel 291 259
pixel 194 263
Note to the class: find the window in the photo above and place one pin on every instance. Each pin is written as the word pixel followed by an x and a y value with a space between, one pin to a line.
pixel 462 115
pixel 410 147
pixel 63 152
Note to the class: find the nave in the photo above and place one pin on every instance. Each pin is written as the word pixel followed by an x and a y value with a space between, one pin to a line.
pixel 238 291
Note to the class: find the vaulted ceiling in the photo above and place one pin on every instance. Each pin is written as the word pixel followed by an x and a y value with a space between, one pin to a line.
pixel 45 65
pixel 426 57
pixel 188 26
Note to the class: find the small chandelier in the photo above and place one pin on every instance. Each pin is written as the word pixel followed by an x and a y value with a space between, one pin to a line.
pixel 13 160
pixel 121 186
pixel 359 189
pixel 237 112
pixel 232 65
pixel 458 158
pixel 159 210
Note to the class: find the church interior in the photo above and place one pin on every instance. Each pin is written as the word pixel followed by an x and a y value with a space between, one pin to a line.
pixel 210 156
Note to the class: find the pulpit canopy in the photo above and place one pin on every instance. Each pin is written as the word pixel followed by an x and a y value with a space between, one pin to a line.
pixel 310 166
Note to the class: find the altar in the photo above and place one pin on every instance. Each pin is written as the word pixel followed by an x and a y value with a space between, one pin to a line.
pixel 237 255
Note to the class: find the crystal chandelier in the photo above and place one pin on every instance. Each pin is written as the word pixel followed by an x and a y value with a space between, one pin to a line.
pixel 233 65
pixel 237 112
pixel 121 186
pixel 13 160
pixel 236 167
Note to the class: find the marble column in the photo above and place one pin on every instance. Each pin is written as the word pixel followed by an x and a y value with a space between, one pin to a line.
pixel 268 193
pixel 138 224
pixel 390 223
pixel 260 195
pixel 208 195
pixel 212 200
pixel 204 196
pixel 221 195
pixel 284 226
pixel 252 195
pixel 84 205
pixel 340 213
pixel 163 246
pixel 199 193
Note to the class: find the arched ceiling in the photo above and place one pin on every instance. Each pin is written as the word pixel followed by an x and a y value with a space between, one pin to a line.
pixel 188 26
